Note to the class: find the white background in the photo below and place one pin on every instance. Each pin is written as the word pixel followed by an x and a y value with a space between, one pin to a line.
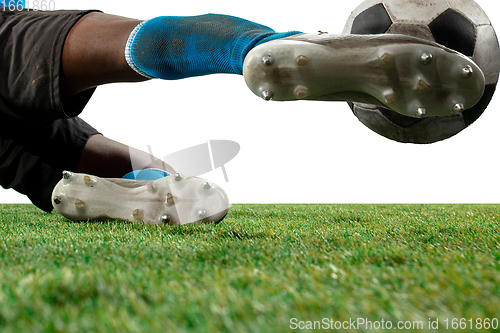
pixel 292 152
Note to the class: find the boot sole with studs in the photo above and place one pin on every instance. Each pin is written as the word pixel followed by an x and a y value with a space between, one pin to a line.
pixel 408 75
pixel 173 200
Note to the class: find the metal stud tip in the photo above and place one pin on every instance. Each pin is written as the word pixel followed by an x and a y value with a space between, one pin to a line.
pixel 421 112
pixel 206 186
pixel 301 92
pixel 458 108
pixel 302 60
pixel 57 200
pixel 165 218
pixel 268 60
pixel 178 177
pixel 426 58
pixel 267 95
pixel 67 174
pixel 467 72
pixel 202 214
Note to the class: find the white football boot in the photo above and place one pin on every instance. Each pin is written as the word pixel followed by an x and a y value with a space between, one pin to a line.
pixel 411 76
pixel 173 200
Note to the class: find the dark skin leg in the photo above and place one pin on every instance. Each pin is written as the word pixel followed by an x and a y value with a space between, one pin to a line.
pixel 94 54
pixel 104 157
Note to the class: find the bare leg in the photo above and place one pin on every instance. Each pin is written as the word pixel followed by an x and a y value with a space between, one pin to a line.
pixel 104 157
pixel 94 53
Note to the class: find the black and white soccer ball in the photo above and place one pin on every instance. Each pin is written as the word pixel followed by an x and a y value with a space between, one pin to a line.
pixel 458 24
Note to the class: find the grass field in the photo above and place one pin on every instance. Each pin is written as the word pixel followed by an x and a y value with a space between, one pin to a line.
pixel 263 266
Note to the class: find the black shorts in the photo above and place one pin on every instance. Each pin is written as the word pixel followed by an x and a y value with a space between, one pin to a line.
pixel 40 135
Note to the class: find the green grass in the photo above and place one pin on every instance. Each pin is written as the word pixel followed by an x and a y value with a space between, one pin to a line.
pixel 264 265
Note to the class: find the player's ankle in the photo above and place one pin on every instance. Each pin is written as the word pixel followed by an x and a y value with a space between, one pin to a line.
pixel 251 39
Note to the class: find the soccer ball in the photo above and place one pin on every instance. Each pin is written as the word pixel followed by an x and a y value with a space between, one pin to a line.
pixel 458 24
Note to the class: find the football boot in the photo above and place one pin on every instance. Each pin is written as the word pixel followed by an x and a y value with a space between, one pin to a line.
pixel 408 75
pixel 173 200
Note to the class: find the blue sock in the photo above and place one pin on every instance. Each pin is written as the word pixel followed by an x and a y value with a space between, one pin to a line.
pixel 176 47
pixel 147 174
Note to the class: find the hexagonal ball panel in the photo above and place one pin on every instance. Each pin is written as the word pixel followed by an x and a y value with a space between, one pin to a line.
pixel 361 8
pixel 374 20
pixel 455 31
pixel 415 11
